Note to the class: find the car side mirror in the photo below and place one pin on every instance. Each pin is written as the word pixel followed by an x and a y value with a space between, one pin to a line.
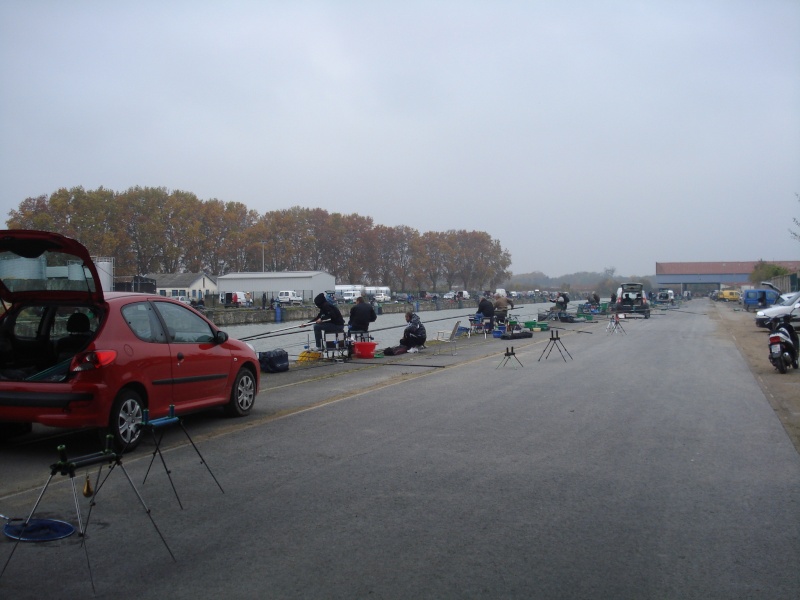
pixel 221 337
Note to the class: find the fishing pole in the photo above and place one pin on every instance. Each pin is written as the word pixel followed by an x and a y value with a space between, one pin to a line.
pixel 277 332
pixel 575 330
pixel 286 331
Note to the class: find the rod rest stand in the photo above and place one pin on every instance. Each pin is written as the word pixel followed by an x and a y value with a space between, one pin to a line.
pixel 65 466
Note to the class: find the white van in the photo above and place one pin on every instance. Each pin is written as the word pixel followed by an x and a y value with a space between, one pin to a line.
pixel 290 297
pixel 350 296
pixel 233 299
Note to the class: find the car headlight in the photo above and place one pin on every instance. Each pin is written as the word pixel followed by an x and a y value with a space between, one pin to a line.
pixel 760 313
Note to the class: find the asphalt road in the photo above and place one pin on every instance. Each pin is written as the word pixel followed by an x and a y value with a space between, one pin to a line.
pixel 647 465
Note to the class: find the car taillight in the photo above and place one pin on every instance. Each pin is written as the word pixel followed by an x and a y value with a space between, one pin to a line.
pixel 95 359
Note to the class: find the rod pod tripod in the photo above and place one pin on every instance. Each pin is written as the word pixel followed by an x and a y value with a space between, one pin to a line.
pixel 67 467
pixel 555 342
pixel 507 357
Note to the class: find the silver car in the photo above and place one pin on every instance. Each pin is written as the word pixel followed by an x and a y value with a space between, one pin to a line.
pixel 791 304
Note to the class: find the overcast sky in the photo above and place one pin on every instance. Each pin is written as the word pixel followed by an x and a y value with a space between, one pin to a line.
pixel 582 135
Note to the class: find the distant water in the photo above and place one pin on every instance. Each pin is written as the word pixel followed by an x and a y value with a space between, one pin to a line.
pixel 386 331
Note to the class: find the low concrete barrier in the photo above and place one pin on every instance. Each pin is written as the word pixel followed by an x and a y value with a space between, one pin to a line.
pixel 224 317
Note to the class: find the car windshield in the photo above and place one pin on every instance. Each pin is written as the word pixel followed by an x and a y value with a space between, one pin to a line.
pixel 51 271
pixel 791 300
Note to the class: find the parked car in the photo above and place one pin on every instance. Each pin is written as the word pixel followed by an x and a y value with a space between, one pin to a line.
pixel 233 299
pixel 380 297
pixel 75 356
pixel 782 308
pixel 631 298
pixel 665 296
pixel 729 296
pixel 290 297
pixel 756 299
pixel 449 295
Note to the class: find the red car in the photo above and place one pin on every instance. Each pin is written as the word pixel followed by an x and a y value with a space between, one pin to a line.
pixel 73 356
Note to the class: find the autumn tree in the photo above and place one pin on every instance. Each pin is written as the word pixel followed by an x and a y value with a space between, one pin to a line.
pixel 429 253
pixel 153 230
pixel 394 252
pixel 33 213
pixel 764 271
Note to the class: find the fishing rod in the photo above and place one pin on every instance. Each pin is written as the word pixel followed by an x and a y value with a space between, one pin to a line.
pixel 290 330
pixel 575 330
pixel 278 332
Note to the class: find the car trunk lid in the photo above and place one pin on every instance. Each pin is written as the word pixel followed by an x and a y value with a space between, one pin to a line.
pixel 41 265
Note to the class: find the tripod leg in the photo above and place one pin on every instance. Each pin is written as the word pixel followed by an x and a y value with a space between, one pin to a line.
pixel 28 520
pixel 98 486
pixel 163 462
pixel 153 458
pixel 147 510
pixel 82 530
pixel 202 460
pixel 567 351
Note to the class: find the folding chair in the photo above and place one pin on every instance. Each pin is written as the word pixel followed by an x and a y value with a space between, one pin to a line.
pixel 441 336
pixel 475 325
pixel 487 326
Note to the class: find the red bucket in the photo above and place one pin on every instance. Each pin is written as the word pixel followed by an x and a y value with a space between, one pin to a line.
pixel 365 349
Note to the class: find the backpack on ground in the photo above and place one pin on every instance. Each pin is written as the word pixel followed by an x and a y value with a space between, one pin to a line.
pixel 395 350
pixel 274 361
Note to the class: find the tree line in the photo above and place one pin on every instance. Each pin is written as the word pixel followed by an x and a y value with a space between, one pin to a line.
pixel 154 230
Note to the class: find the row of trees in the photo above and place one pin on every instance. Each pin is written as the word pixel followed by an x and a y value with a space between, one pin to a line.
pixel 149 230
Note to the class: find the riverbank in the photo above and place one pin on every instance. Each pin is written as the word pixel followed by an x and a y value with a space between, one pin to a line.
pixel 225 317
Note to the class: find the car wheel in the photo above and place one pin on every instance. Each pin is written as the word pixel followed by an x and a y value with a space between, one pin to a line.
pixel 123 423
pixel 243 394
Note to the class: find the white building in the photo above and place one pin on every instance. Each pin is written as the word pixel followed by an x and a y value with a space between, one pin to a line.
pixel 306 283
pixel 191 285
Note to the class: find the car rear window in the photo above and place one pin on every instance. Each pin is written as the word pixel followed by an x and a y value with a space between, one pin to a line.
pixel 143 322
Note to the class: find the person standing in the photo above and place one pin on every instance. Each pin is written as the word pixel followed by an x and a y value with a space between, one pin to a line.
pixel 414 335
pixel 329 320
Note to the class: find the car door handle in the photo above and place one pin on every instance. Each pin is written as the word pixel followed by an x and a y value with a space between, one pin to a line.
pixel 180 356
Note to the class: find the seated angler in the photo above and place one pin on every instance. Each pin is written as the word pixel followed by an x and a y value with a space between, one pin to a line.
pixel 329 320
pixel 361 315
pixel 414 335
pixel 486 310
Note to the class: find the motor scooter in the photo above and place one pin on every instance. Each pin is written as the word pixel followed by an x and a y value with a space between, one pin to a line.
pixel 783 343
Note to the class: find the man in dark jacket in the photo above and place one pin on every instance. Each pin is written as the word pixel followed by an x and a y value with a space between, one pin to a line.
pixel 486 308
pixel 414 335
pixel 328 319
pixel 361 315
